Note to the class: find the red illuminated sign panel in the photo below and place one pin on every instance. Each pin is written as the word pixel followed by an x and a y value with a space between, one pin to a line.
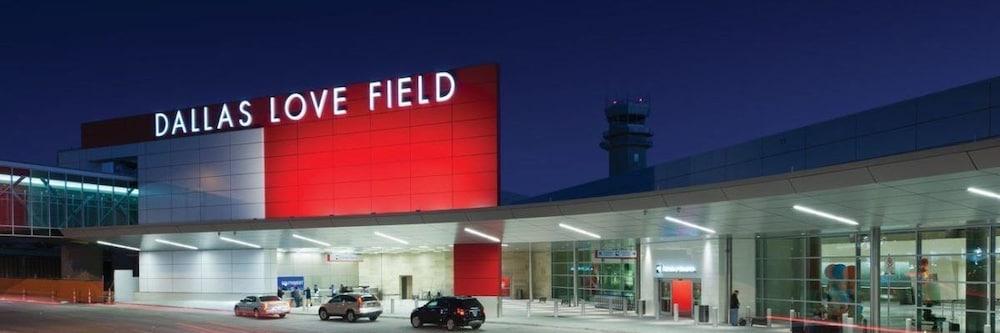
pixel 422 157
pixel 414 143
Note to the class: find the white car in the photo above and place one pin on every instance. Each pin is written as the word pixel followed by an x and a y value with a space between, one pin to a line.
pixel 258 306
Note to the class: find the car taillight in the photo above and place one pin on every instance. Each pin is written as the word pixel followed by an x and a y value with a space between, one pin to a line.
pixel 460 312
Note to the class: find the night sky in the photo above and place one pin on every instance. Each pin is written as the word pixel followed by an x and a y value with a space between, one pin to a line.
pixel 718 73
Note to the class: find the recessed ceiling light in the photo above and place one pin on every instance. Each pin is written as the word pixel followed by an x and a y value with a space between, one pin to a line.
pixel 391 238
pixel 310 240
pixel 688 224
pixel 983 192
pixel 236 241
pixel 189 247
pixel 118 245
pixel 578 230
pixel 480 234
pixel 840 219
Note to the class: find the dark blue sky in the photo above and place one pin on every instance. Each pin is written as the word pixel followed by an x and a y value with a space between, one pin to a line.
pixel 718 72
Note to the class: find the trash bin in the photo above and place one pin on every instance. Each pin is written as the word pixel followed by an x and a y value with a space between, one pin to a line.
pixel 703 311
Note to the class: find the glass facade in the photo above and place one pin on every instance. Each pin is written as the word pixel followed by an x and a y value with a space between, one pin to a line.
pixel 941 280
pixel 595 277
pixel 40 202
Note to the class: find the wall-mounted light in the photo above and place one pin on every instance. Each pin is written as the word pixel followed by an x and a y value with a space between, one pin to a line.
pixel 163 241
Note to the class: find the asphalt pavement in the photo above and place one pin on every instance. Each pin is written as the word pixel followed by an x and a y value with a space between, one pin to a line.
pixel 18 316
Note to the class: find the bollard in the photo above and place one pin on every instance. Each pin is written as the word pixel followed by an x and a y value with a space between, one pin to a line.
pixel 583 308
pixel 909 324
pixel 74 295
pixel 415 304
pixel 768 317
pixel 715 311
pixel 791 319
pixel 611 307
pixel 677 315
pixel 848 324
pixel 24 294
pixel 499 306
pixel 529 308
pixel 392 305
pixel 53 295
pixel 88 296
pixel 555 312
pixel 986 328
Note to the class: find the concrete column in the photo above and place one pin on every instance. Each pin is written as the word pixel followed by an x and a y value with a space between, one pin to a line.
pixel 874 253
pixel 576 295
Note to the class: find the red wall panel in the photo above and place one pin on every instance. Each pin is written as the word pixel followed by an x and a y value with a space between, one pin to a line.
pixel 424 157
pixel 477 269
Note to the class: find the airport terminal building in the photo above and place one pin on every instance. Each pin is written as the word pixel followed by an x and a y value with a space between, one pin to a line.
pixel 881 216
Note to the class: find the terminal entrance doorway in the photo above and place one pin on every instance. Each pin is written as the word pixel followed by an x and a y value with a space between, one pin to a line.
pixel 405 286
pixel 683 292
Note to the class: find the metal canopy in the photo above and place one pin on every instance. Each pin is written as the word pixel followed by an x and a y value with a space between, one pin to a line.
pixel 925 189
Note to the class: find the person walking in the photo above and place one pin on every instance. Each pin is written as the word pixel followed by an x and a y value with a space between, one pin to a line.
pixel 309 299
pixel 297 296
pixel 734 308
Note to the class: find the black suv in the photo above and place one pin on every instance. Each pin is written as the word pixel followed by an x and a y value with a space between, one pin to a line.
pixel 453 312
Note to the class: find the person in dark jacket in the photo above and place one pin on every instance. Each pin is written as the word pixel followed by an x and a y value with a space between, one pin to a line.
pixel 309 298
pixel 734 308
pixel 281 292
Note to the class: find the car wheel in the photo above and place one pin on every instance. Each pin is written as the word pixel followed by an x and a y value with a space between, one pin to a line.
pixel 281 315
pixel 323 315
pixel 415 322
pixel 476 327
pixel 373 318
pixel 350 316
pixel 256 313
pixel 236 312
pixel 450 325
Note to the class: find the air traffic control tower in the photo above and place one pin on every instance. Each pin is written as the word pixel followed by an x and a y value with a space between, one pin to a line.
pixel 627 137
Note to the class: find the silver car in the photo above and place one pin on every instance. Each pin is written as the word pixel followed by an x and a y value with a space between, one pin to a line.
pixel 262 306
pixel 351 306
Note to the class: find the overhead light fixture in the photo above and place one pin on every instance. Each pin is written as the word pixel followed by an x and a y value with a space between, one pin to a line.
pixel 578 230
pixel 983 192
pixel 480 234
pixel 688 224
pixel 189 247
pixel 840 219
pixel 118 246
pixel 397 240
pixel 238 242
pixel 505 245
pixel 310 240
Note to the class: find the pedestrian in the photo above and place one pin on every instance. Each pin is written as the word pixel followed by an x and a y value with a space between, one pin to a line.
pixel 309 300
pixel 734 308
pixel 281 292
pixel 297 296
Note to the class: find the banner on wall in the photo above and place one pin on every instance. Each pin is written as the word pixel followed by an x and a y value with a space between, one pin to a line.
pixel 289 282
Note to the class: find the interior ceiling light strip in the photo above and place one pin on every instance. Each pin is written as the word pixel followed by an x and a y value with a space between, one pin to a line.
pixel 983 192
pixel 688 224
pixel 578 230
pixel 118 245
pixel 840 219
pixel 480 234
pixel 239 242
pixel 310 240
pixel 397 240
pixel 189 247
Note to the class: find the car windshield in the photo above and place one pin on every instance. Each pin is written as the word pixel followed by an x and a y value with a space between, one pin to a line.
pixel 471 302
pixel 269 298
pixel 369 298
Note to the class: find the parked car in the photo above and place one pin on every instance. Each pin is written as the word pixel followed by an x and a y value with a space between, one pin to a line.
pixel 262 306
pixel 350 307
pixel 452 312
